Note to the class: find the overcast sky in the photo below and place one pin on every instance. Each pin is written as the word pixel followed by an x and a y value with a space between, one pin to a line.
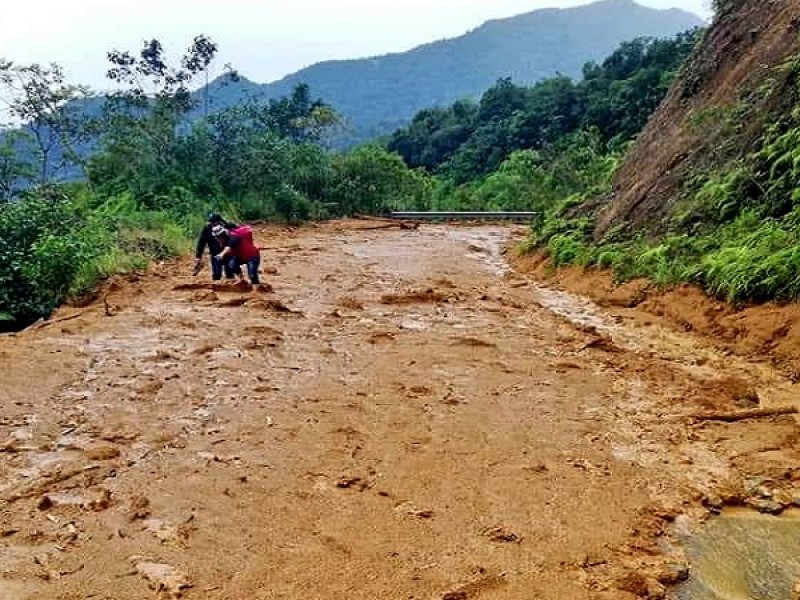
pixel 263 39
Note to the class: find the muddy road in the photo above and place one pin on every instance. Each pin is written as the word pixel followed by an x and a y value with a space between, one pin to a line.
pixel 402 417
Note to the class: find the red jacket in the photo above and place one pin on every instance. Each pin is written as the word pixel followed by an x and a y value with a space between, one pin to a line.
pixel 242 245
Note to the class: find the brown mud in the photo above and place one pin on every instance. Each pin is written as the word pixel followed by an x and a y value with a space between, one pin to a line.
pixel 399 417
pixel 764 333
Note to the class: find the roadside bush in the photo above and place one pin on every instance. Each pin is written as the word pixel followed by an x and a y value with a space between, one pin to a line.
pixel 55 248
pixel 42 245
pixel 765 265
pixel 568 248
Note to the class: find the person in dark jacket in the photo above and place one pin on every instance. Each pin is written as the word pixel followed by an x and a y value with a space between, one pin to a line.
pixel 205 240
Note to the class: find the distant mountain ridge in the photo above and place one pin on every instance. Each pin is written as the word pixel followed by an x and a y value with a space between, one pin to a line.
pixel 378 94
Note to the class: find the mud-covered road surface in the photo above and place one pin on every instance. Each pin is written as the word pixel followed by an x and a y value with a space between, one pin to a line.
pixel 401 417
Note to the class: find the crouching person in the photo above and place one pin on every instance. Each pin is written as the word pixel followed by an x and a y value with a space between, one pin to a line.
pixel 238 249
pixel 205 240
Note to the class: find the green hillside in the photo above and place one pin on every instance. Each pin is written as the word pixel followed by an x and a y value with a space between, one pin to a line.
pixel 377 95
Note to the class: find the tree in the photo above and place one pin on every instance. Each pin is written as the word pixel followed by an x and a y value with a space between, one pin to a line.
pixel 296 117
pixel 144 118
pixel 49 115
pixel 371 180
pixel 14 172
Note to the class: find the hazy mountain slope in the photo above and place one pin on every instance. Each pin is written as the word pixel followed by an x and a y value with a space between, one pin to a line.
pixel 377 94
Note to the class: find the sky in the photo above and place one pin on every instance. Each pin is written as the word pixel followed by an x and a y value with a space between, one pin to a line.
pixel 263 39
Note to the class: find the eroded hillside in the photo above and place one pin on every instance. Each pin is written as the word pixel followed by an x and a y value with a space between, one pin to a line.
pixel 735 86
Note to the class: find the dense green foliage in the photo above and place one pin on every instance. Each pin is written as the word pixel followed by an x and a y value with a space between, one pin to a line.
pixel 534 148
pixel 377 95
pixel 736 232
pixel 614 98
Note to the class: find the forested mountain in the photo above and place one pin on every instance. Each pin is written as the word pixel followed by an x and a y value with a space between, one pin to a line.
pixel 614 100
pixel 377 95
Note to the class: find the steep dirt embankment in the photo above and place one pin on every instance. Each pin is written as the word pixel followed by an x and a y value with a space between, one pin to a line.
pixel 767 333
pixel 739 53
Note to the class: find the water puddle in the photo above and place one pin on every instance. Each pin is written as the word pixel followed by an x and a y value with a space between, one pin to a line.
pixel 744 555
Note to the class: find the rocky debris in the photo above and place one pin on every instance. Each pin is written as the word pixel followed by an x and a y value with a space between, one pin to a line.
pixel 419 390
pixel 350 303
pixel 264 288
pixel 346 483
pixel 743 415
pixel 502 534
pixel 409 509
pixel 713 501
pixel 163 531
pixel 767 496
pixel 101 451
pixel 672 573
pixel 536 468
pixel 163 578
pixel 381 336
pixel 473 343
pixel 480 582
pixel 593 560
pixel 206 296
pixel 275 306
pixel 204 349
pixel 139 508
pixel 564 366
pixel 602 342
pixel 96 501
pixel 190 287
pixel 642 585
pixel 234 302
pixel 768 506
pixel 413 297
pixel 452 398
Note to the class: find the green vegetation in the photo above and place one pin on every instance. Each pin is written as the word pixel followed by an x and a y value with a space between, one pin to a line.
pixel 536 148
pixel 551 148
pixel 736 231
pixel 155 172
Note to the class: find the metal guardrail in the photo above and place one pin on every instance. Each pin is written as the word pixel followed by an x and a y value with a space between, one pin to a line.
pixel 462 216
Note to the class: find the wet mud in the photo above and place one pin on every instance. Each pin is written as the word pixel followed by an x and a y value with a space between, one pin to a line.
pixel 397 414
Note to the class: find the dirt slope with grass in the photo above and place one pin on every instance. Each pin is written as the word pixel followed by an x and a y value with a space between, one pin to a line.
pixel 398 417
pixel 732 65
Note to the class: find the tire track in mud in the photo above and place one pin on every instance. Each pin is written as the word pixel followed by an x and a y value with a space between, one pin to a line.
pixel 420 425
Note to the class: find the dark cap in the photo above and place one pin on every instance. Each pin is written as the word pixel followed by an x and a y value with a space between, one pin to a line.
pixel 214 218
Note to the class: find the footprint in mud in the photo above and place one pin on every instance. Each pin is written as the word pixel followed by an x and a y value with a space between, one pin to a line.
pixel 350 303
pixel 473 342
pixel 429 295
pixel 381 336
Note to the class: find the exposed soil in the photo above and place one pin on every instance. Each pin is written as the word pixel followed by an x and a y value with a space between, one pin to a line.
pixel 736 58
pixel 397 416
pixel 766 333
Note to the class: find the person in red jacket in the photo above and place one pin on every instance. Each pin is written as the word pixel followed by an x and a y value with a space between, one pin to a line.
pixel 238 250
